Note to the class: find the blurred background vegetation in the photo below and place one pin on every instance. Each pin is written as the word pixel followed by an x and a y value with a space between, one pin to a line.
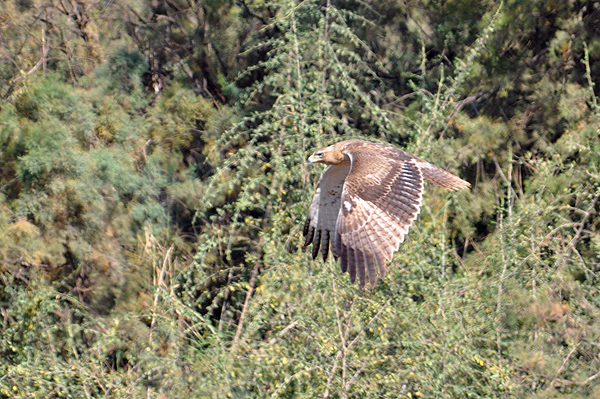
pixel 153 186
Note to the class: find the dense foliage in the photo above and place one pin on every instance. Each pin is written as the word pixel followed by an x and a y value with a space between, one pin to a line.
pixel 153 186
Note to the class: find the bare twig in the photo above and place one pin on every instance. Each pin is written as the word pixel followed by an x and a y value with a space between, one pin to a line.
pixel 240 326
pixel 342 337
pixel 283 332
pixel 573 242
pixel 159 285
pixel 504 178
pixel 564 363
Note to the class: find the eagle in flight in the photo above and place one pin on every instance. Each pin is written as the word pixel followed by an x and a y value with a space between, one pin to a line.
pixel 365 202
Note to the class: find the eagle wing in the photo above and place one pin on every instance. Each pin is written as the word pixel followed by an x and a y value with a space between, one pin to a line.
pixel 323 212
pixel 380 199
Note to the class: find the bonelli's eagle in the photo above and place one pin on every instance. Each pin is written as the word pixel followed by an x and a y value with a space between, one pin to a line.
pixel 365 202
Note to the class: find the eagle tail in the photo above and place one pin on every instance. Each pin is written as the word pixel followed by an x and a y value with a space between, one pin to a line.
pixel 441 178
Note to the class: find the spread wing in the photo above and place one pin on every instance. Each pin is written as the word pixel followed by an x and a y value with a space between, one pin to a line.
pixel 324 209
pixel 380 199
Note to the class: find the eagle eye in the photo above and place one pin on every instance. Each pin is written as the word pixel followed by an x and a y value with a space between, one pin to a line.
pixel 319 154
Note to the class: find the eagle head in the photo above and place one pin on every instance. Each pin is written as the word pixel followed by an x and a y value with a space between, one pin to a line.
pixel 331 155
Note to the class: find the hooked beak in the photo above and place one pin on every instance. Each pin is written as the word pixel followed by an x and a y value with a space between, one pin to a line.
pixel 316 157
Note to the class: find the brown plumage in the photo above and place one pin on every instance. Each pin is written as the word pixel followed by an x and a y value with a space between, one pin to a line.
pixel 365 202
